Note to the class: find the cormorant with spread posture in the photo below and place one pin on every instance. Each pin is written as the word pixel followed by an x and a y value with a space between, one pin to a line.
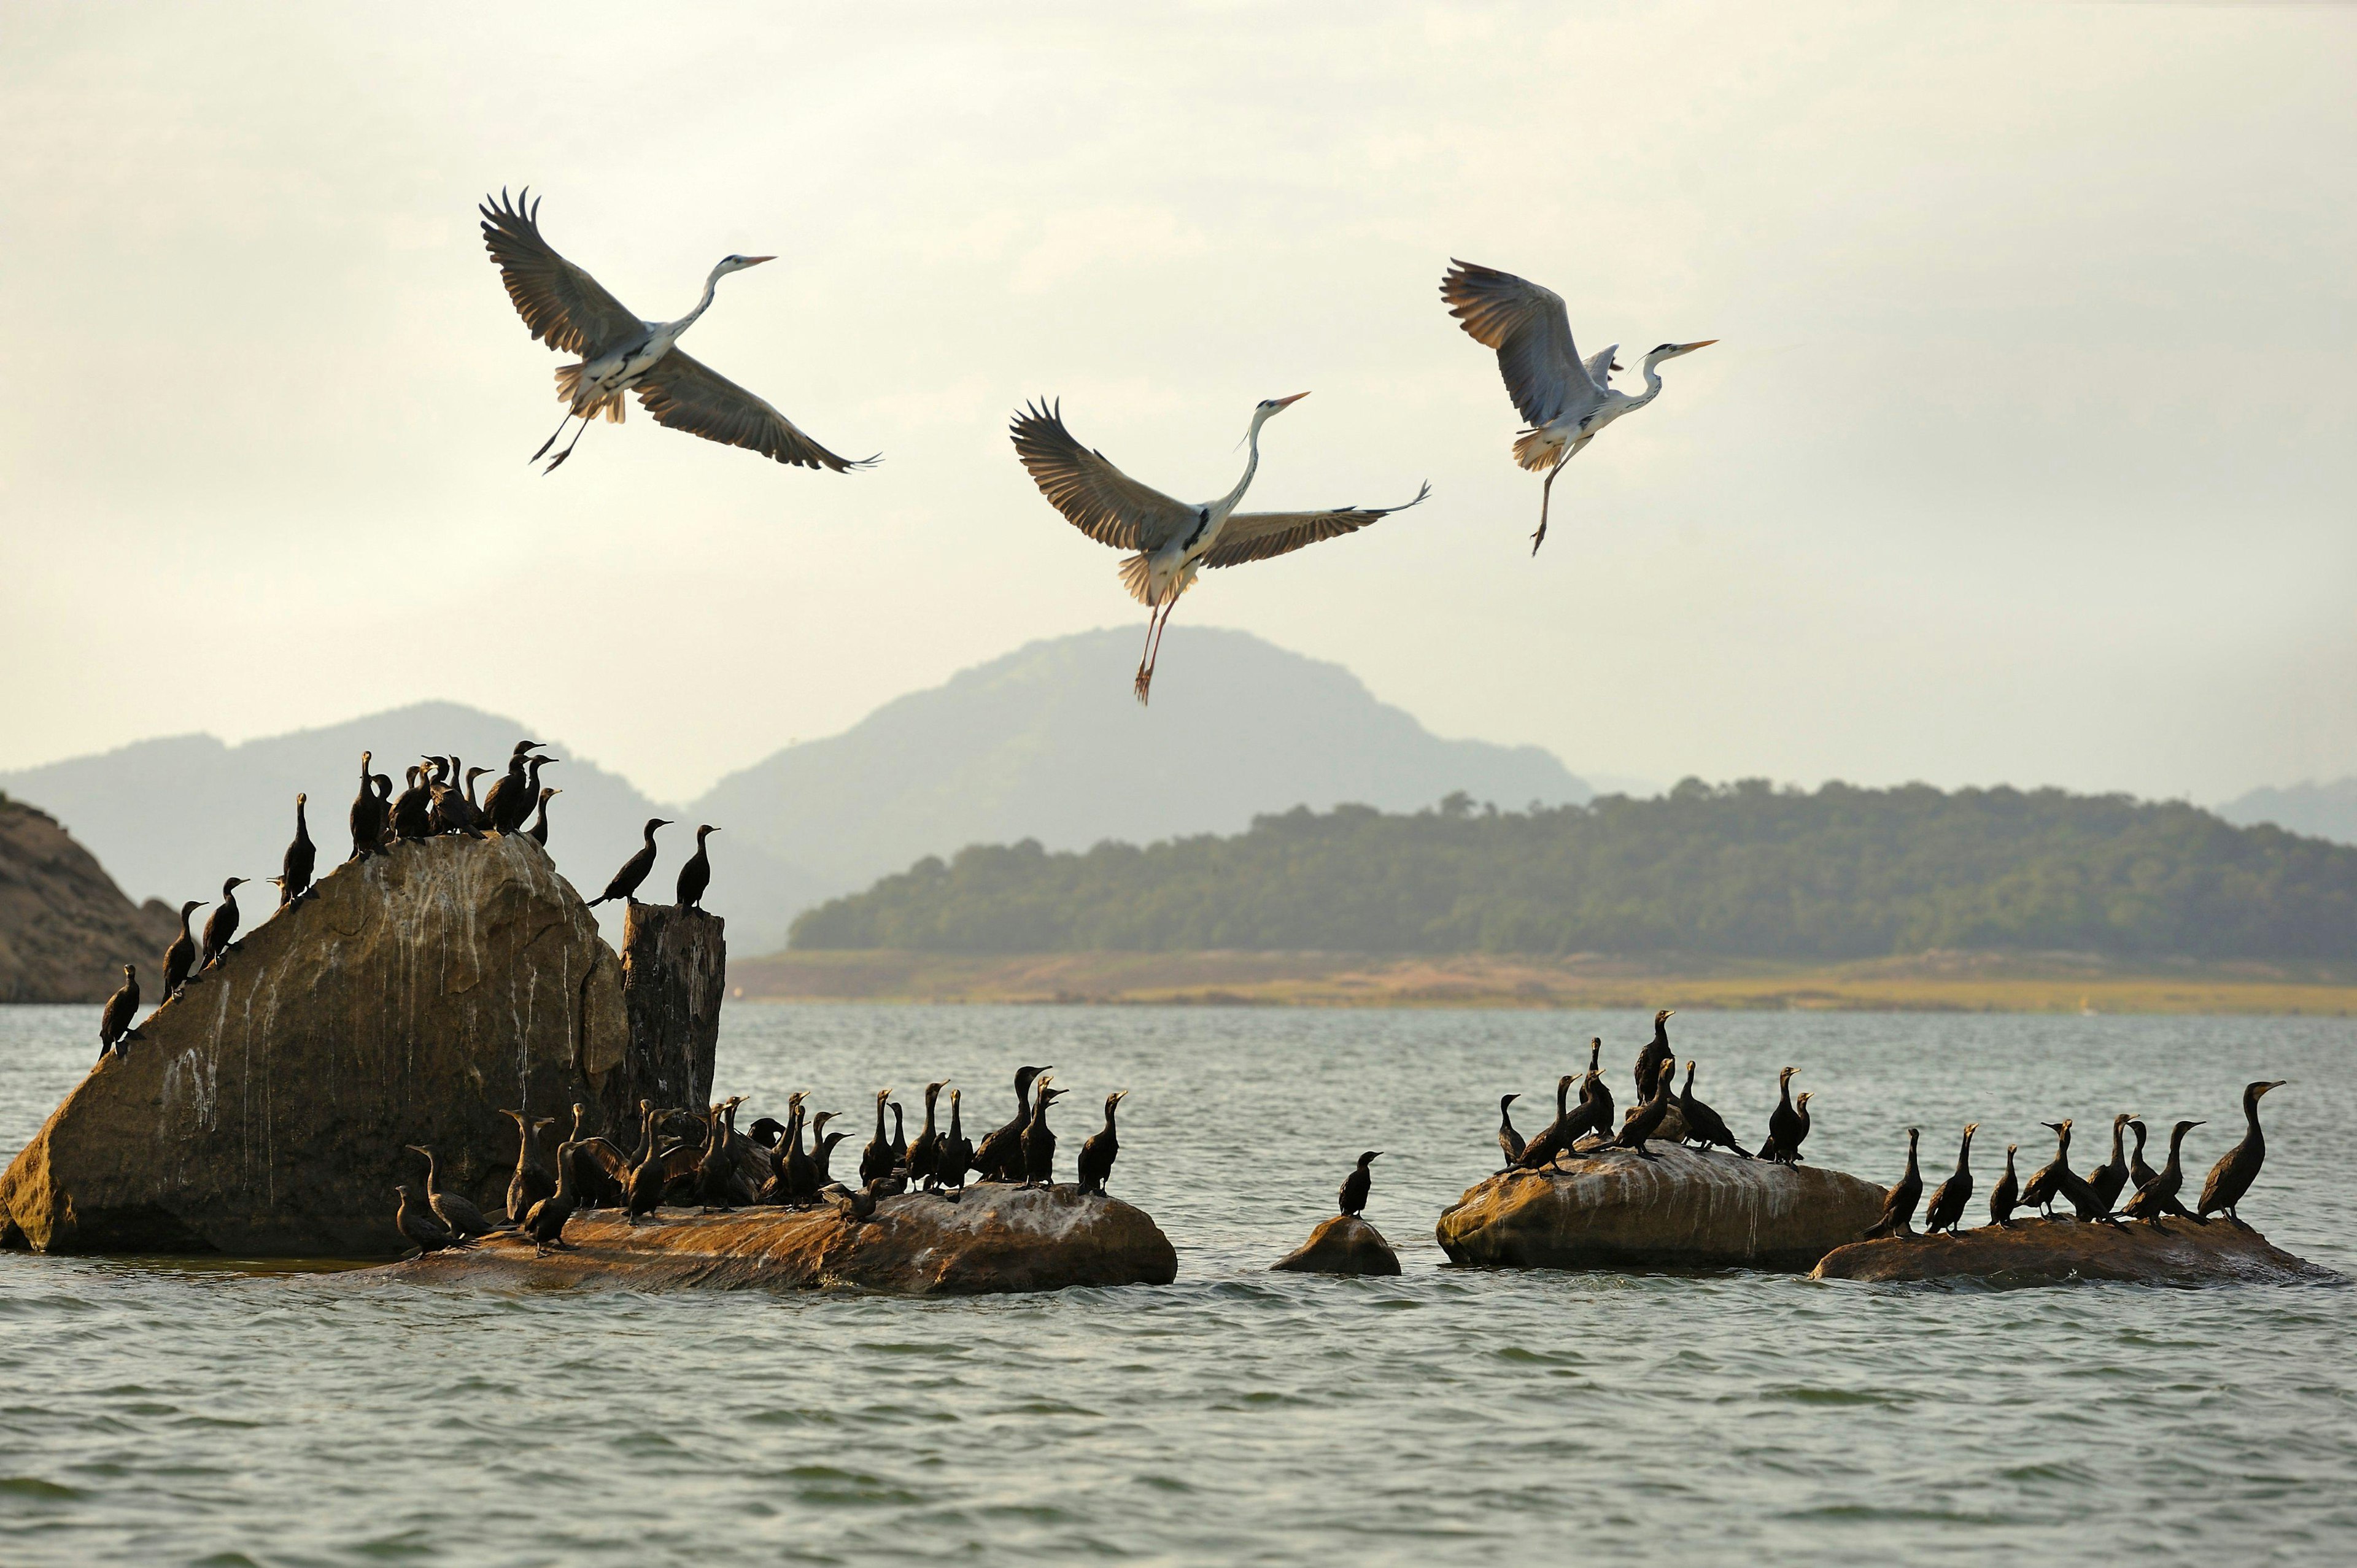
pixel 2104 1182
pixel 875 1159
pixel 1647 1118
pixel 696 875
pixel 115 1019
pixel 1511 1144
pixel 531 1181
pixel 465 1221
pixel 504 802
pixel 1898 1202
pixel 220 925
pixel 419 1224
pixel 2139 1173
pixel 1352 1198
pixel 538 831
pixel 1039 1142
pixel 181 956
pixel 634 870
pixel 2056 1178
pixel 1946 1209
pixel 925 1155
pixel 2158 1196
pixel 302 856
pixel 2238 1167
pixel 1655 1053
pixel 1100 1148
pixel 957 1151
pixel 1706 1127
pixel 2005 1196
pixel 1783 1124
pixel 1000 1157
pixel 366 816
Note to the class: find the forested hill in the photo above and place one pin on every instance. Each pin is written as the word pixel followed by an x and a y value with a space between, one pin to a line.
pixel 1738 870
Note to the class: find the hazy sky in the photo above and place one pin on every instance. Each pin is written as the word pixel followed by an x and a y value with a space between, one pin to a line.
pixel 2027 455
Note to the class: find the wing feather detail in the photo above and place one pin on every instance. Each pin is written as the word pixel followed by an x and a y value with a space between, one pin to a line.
pixel 683 393
pixel 1257 535
pixel 563 307
pixel 1531 329
pixel 1095 496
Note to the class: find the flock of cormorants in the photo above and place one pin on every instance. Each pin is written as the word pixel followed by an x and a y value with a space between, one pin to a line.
pixel 682 1158
pixel 439 798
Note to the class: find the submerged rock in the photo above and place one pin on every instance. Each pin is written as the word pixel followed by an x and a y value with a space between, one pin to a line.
pixel 2055 1252
pixel 1344 1244
pixel 994 1239
pixel 1606 1209
pixel 263 1111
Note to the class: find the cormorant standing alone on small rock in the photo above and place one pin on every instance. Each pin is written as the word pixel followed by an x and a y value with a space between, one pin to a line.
pixel 634 870
pixel 2158 1196
pixel 696 875
pixel 181 956
pixel 1655 1053
pixel 302 856
pixel 2005 1196
pixel 1352 1198
pixel 1946 1209
pixel 114 1018
pixel 1511 1144
pixel 220 925
pixel 1039 1142
pixel 1101 1149
pixel 2238 1167
pixel 1898 1202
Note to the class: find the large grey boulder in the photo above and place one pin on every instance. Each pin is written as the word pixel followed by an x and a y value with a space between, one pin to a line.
pixel 1344 1244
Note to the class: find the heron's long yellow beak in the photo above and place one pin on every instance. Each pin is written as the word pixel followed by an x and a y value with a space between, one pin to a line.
pixel 757 261
pixel 1690 348
pixel 1289 402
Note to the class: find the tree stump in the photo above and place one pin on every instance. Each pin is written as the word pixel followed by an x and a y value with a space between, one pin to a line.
pixel 674 969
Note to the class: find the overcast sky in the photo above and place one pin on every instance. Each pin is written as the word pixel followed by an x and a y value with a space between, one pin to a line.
pixel 2026 456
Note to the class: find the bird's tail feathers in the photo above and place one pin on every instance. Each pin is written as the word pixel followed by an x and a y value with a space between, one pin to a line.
pixel 568 391
pixel 1536 449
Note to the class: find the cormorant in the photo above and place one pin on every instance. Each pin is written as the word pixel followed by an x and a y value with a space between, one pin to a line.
pixel 1593 1086
pixel 1098 1150
pixel 2158 1196
pixel 1039 1142
pixel 1352 1198
pixel 444 809
pixel 1800 1127
pixel 2056 1178
pixel 1540 1152
pixel 823 1154
pixel 1705 1126
pixel 1898 1202
pixel 716 1172
pixel 1783 1124
pixel 646 1183
pixel 898 1146
pixel 925 1155
pixel 1645 1119
pixel 634 870
pixel 538 831
pixel 531 1181
pixel 465 1221
pixel 181 956
pixel 368 816
pixel 472 804
pixel 383 786
pixel 875 1159
pixel 504 802
pixel 531 786
pixel 799 1170
pixel 1000 1157
pixel 2005 1196
pixel 1510 1143
pixel 2104 1182
pixel 220 925
pixel 302 856
pixel 2139 1173
pixel 115 1019
pixel 411 819
pixel 419 1224
pixel 957 1150
pixel 1656 1051
pixel 601 1176
pixel 545 1222
pixel 858 1206
pixel 2238 1167
pixel 696 875
pixel 1946 1209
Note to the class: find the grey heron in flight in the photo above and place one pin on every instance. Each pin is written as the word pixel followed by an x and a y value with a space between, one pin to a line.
pixel 573 313
pixel 1567 400
pixel 1173 540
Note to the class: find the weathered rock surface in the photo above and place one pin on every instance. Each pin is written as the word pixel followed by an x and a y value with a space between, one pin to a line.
pixel 674 969
pixel 1679 1209
pixel 263 1110
pixel 66 929
pixel 2056 1251
pixel 995 1239
pixel 1344 1244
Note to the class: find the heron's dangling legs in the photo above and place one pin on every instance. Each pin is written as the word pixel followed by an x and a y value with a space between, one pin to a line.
pixel 1545 492
pixel 1154 626
pixel 552 436
pixel 585 422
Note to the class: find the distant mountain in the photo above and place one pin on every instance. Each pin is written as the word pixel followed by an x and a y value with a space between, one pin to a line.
pixel 66 929
pixel 171 818
pixel 1047 744
pixel 2319 811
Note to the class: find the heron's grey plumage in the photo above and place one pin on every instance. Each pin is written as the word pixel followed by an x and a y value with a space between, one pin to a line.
pixel 684 394
pixel 1257 535
pixel 1530 327
pixel 562 305
pixel 1094 496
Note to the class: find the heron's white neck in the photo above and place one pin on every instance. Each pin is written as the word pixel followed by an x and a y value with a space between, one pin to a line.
pixel 712 283
pixel 1252 463
pixel 1652 380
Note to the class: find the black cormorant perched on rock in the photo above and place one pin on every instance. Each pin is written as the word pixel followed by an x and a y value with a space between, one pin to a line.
pixel 464 1220
pixel 1511 1144
pixel 445 812
pixel 1102 1147
pixel 2158 1196
pixel 716 1172
pixel 538 831
pixel 875 1159
pixel 1783 1124
pixel 220 925
pixel 531 1181
pixel 859 1205
pixel 411 818
pixel 1706 1127
pixel 2056 1180
pixel 2105 1181
pixel 924 1156
pixel 1556 1137
pixel 419 1223
pixel 1352 1198
pixel 1898 1202
pixel 1800 1127
pixel 114 1018
pixel 473 804
pixel 2238 1167
pixel 1039 1141
pixel 600 1174
pixel 696 875
pixel 898 1146
pixel 957 1150
pixel 2005 1196
pixel 181 956
pixel 531 787
pixel 1655 1053
pixel 546 1222
pixel 302 856
pixel 366 816
pixel 1593 1086
pixel 1647 1118
pixel 2139 1173
pixel 625 884
pixel 505 803
pixel 1946 1209
pixel 1000 1155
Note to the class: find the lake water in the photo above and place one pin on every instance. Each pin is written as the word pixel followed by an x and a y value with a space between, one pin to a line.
pixel 165 1413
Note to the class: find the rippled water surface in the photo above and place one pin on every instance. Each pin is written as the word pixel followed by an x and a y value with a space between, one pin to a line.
pixel 165 1413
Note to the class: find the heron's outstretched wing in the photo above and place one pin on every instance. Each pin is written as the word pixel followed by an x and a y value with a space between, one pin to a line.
pixel 1532 332
pixel 1257 535
pixel 564 306
pixel 1094 496
pixel 687 394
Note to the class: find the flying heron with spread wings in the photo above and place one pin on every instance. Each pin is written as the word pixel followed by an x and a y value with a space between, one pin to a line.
pixel 1173 540
pixel 573 313
pixel 1565 399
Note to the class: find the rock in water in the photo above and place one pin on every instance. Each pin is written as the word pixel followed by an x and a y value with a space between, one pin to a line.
pixel 996 1239
pixel 1680 1209
pixel 2057 1251
pixel 263 1110
pixel 1344 1244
